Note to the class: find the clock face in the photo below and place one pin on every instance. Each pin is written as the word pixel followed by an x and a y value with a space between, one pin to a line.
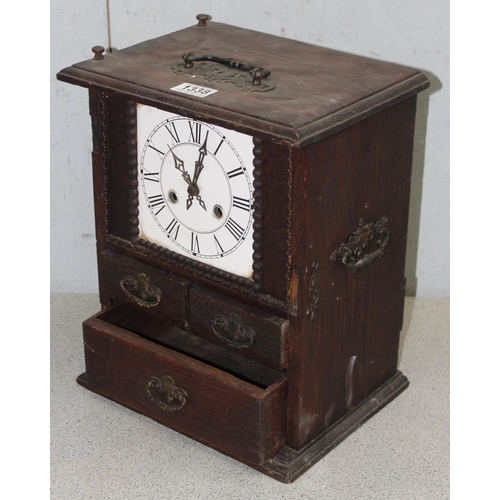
pixel 195 184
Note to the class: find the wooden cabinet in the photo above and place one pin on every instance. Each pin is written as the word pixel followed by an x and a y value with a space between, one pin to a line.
pixel 251 237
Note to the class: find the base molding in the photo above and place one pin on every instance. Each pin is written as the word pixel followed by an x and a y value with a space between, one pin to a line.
pixel 288 464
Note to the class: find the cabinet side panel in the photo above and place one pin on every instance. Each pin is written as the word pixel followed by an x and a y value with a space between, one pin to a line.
pixel 345 343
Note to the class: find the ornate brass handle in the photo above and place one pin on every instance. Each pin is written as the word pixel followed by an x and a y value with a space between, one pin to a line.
pixel 257 73
pixel 164 393
pixel 232 331
pixel 217 69
pixel 140 291
pixel 352 255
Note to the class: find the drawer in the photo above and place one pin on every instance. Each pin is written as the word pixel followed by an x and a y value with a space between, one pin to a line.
pixel 186 383
pixel 129 281
pixel 251 331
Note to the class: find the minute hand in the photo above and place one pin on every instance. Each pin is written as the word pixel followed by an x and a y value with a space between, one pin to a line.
pixel 198 166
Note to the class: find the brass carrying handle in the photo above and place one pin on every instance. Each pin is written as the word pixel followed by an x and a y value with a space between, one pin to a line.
pixel 351 253
pixel 140 291
pixel 257 73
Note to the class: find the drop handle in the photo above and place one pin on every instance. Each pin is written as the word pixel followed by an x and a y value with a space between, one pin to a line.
pixel 257 72
pixel 164 392
pixel 232 330
pixel 352 253
pixel 140 291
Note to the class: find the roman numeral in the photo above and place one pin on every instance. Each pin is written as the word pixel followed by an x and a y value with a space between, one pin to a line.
pixel 235 172
pixel 151 176
pixel 157 150
pixel 173 228
pixel 195 135
pixel 234 228
pixel 172 131
pixel 241 203
pixel 218 147
pixel 195 246
pixel 157 201
pixel 218 247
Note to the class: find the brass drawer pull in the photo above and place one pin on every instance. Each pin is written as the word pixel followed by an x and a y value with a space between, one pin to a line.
pixel 232 331
pixel 140 291
pixel 352 255
pixel 164 393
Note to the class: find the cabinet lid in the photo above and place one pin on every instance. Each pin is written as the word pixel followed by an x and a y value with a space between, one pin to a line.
pixel 318 91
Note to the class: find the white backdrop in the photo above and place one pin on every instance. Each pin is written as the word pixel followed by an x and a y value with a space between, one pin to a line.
pixel 410 32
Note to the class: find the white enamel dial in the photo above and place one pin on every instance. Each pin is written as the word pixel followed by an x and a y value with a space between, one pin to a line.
pixel 195 189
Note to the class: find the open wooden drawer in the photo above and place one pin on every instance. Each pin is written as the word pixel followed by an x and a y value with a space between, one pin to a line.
pixel 186 383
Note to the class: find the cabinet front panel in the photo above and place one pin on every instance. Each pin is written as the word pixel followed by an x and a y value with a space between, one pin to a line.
pixel 116 145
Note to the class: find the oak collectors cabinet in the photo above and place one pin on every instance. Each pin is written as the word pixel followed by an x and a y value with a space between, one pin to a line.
pixel 251 201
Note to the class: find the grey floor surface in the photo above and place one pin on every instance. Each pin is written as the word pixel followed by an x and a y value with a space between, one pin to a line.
pixel 101 450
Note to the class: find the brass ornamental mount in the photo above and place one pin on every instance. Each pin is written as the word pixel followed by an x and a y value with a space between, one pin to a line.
pixel 165 394
pixel 226 70
pixel 140 291
pixel 351 253
pixel 314 292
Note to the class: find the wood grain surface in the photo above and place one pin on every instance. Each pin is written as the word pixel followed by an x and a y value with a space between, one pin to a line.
pixel 318 92
pixel 120 364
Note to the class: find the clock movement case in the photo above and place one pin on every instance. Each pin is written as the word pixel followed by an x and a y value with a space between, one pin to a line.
pixel 277 370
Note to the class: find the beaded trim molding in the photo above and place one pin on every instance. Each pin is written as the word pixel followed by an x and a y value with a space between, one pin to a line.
pixel 181 261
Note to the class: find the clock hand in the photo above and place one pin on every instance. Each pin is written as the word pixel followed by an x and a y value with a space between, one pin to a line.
pixel 202 203
pixel 198 166
pixel 193 191
pixel 192 187
pixel 179 165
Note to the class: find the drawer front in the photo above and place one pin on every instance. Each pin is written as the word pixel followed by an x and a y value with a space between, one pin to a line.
pixel 252 332
pixel 234 416
pixel 128 281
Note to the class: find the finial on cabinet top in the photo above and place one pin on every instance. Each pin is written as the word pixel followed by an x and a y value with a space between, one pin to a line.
pixel 98 51
pixel 202 20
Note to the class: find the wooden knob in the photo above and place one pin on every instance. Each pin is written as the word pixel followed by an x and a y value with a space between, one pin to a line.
pixel 98 51
pixel 202 20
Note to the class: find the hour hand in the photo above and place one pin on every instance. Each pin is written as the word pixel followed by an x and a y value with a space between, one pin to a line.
pixel 179 165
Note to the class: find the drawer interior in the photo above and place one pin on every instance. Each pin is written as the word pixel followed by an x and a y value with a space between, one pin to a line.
pixel 165 334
